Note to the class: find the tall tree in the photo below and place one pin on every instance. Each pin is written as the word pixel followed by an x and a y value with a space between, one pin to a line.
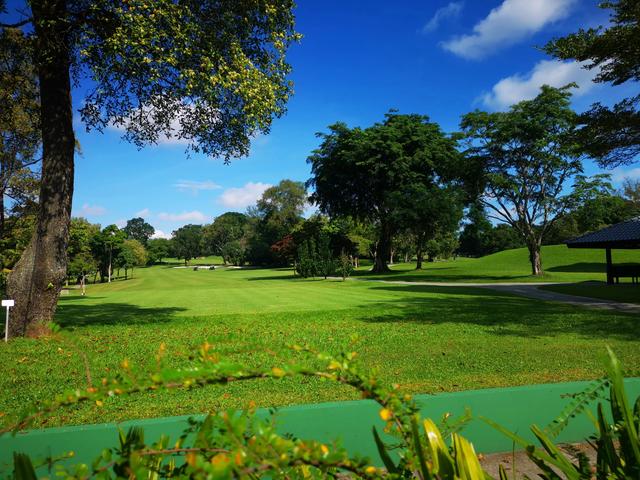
pixel 19 118
pixel 610 134
pixel 187 242
pixel 280 209
pixel 228 227
pixel 208 72
pixel 474 237
pixel 138 229
pixel 528 158
pixel 106 247
pixel 428 211
pixel 357 172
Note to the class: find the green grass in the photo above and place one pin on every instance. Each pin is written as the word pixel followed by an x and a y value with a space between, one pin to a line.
pixel 626 293
pixel 561 264
pixel 427 339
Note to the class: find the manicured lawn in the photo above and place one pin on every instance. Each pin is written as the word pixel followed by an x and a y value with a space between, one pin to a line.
pixel 560 264
pixel 427 339
pixel 627 293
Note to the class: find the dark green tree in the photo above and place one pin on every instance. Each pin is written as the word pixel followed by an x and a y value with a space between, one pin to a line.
pixel 138 229
pixel 280 209
pixel 157 249
pixel 228 227
pixel 106 247
pixel 357 172
pixel 187 242
pixel 610 134
pixel 474 237
pixel 211 73
pixel 528 158
pixel 428 212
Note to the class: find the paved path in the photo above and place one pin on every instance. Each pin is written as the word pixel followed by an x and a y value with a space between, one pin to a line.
pixel 529 290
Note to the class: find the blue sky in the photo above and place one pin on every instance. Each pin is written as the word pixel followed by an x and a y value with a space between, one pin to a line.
pixel 357 60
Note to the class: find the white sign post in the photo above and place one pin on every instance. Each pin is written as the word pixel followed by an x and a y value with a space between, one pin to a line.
pixel 7 304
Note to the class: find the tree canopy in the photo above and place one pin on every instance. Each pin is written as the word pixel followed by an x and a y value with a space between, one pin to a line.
pixel 610 134
pixel 528 157
pixel 211 73
pixel 138 229
pixel 358 172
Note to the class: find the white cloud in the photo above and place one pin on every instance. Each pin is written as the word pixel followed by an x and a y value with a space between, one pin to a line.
pixel 450 10
pixel 554 73
pixel 144 213
pixel 194 216
pixel 91 210
pixel 507 24
pixel 619 174
pixel 244 196
pixel 160 234
pixel 194 186
pixel 121 223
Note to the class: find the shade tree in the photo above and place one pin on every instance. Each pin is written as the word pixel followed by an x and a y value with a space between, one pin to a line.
pixel 187 242
pixel 528 159
pixel 212 74
pixel 609 134
pixel 357 172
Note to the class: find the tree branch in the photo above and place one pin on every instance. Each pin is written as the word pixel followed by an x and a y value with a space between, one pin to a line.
pixel 19 24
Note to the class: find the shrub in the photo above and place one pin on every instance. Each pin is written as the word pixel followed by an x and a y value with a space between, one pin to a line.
pixel 230 445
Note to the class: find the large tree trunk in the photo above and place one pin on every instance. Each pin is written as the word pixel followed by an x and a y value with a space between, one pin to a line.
pixel 383 250
pixel 534 257
pixel 37 279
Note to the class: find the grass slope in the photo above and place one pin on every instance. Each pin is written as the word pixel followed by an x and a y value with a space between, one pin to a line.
pixel 427 339
pixel 561 264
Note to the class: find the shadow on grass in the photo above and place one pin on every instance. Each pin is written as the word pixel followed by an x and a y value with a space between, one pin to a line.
pixel 78 315
pixel 503 313
pixel 435 276
pixel 581 267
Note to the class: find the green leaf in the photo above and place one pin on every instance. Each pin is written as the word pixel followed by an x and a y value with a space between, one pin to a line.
pixel 384 455
pixel 22 467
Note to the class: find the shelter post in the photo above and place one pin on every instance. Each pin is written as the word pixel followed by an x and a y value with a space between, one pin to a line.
pixel 609 268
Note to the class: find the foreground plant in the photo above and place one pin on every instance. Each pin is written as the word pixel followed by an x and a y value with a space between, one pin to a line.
pixel 240 445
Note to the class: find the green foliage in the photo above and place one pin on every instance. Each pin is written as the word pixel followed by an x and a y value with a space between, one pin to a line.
pixel 345 266
pixel 234 252
pixel 527 155
pixel 146 58
pixel 611 134
pixel 157 249
pixel 138 229
pixel 226 228
pixel 132 254
pixel 359 172
pixel 238 445
pixel 81 265
pixel 187 242
pixel 106 247
pixel 617 444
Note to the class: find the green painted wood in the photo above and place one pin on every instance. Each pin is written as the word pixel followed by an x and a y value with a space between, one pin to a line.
pixel 515 408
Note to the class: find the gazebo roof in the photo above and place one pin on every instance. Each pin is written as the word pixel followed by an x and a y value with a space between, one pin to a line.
pixel 621 235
